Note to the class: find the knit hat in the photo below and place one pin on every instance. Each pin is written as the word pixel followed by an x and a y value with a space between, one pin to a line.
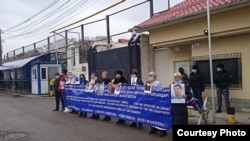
pixel 119 72
pixel 195 67
pixel 220 66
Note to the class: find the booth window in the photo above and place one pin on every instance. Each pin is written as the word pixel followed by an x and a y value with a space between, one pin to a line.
pixel 232 64
pixel 33 73
pixel 43 70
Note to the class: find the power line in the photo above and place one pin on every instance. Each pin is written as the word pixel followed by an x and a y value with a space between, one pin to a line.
pixel 41 11
pixel 57 19
pixel 40 20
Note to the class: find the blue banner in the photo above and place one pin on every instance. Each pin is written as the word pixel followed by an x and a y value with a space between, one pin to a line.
pixel 131 103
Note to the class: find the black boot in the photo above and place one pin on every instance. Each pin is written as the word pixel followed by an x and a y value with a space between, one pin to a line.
pixel 93 116
pixel 163 133
pixel 133 124
pixel 97 117
pixel 140 125
pixel 81 114
pixel 218 110
pixel 84 114
pixel 153 130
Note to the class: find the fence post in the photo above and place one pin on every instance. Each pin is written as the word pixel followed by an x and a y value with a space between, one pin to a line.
pixel 108 29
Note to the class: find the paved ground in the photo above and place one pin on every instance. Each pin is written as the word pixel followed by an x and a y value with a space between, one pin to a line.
pixel 30 118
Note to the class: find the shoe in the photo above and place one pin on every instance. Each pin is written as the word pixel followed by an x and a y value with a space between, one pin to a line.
pixel 108 119
pixel 93 116
pixel 133 124
pixel 84 114
pixel 66 110
pixel 218 111
pixel 120 121
pixel 153 130
pixel 105 119
pixel 55 110
pixel 163 134
pixel 140 126
pixel 97 117
pixel 81 114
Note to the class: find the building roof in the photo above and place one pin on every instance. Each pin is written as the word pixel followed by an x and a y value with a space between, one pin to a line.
pixel 185 8
pixel 123 41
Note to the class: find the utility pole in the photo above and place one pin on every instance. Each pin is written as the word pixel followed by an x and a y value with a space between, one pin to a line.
pixel 1 52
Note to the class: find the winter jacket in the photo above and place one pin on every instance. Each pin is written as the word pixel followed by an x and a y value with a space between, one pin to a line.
pixel 120 80
pixel 105 81
pixel 222 79
pixel 197 80
pixel 179 110
pixel 56 85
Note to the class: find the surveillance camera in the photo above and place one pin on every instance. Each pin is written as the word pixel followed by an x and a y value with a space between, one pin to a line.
pixel 205 32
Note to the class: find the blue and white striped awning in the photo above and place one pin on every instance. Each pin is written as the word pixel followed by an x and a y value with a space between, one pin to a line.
pixel 17 63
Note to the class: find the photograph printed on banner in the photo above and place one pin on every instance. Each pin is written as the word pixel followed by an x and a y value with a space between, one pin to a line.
pixel 133 80
pixel 117 89
pixel 148 88
pixel 178 93
pixel 99 88
pixel 111 88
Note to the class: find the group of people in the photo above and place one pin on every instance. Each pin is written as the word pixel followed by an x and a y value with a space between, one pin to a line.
pixel 194 86
pixel 197 80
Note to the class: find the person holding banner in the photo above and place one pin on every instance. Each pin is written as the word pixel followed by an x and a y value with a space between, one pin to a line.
pixel 105 81
pixel 92 83
pixel 154 83
pixel 83 81
pixel 181 93
pixel 135 80
pixel 120 80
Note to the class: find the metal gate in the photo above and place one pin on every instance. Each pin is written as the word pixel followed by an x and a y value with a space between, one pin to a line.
pixel 124 59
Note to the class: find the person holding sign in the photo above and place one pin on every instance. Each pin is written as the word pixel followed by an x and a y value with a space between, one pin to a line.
pixel 105 81
pixel 135 80
pixel 92 84
pixel 121 80
pixel 180 93
pixel 152 82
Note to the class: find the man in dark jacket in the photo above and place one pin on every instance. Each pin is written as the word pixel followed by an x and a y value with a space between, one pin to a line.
pixel 58 95
pixel 121 80
pixel 222 80
pixel 184 75
pixel 197 83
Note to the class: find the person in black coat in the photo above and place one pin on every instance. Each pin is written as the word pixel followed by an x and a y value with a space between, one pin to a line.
pixel 105 80
pixel 222 80
pixel 135 80
pixel 58 95
pixel 121 80
pixel 197 83
pixel 179 110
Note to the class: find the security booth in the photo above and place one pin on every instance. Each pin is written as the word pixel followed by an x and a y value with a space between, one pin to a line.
pixel 32 74
pixel 41 75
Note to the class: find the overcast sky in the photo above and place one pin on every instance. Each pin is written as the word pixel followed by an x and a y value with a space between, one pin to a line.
pixel 14 16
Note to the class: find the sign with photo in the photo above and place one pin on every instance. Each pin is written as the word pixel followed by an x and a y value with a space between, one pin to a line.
pixel 178 93
pixel 148 88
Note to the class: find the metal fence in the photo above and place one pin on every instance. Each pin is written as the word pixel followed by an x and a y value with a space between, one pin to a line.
pixel 77 36
pixel 16 86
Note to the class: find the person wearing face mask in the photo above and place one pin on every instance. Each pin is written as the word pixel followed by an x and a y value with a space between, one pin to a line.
pixel 58 95
pixel 93 81
pixel 222 80
pixel 83 81
pixel 105 81
pixel 135 80
pixel 179 110
pixel 154 83
pixel 184 75
pixel 197 83
pixel 120 80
